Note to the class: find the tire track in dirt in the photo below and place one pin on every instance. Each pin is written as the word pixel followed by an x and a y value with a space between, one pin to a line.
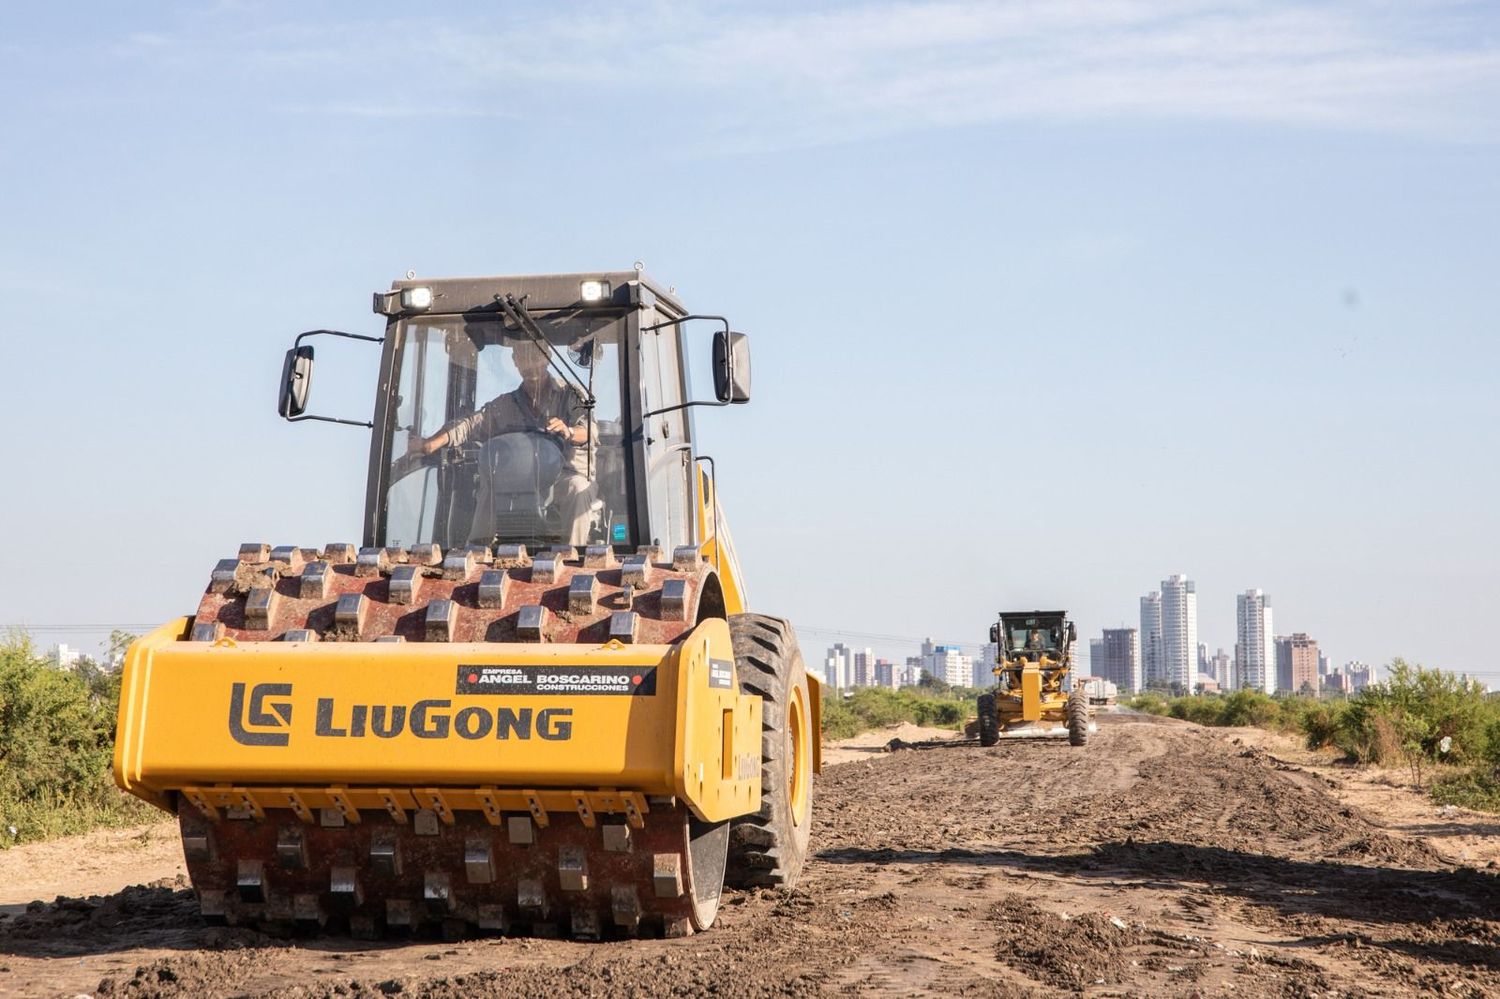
pixel 1157 860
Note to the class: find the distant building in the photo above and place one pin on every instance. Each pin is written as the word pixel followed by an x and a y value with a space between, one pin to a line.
pixel 1205 684
pixel 1119 659
pixel 949 664
pixel 1221 668
pixel 911 672
pixel 1179 631
pixel 1283 662
pixel 984 664
pixel 64 656
pixel 864 668
pixel 885 673
pixel 838 666
pixel 1151 660
pixel 1359 675
pixel 1302 652
pixel 1255 645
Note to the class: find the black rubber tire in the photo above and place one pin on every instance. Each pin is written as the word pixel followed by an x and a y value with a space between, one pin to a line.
pixel 989 722
pixel 767 848
pixel 1078 717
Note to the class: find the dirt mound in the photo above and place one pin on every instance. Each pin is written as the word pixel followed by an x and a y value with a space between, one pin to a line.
pixel 1076 952
pixel 1158 860
pixel 73 925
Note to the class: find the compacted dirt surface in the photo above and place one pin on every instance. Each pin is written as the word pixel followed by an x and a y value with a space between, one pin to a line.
pixel 1161 859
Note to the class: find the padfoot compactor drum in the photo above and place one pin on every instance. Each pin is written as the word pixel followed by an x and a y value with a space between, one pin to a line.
pixel 1031 698
pixel 533 700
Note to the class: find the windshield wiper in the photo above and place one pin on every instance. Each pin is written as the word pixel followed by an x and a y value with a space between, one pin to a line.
pixel 515 310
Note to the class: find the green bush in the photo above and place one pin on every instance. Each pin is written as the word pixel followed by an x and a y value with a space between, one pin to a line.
pixel 1419 718
pixel 57 731
pixel 1151 702
pixel 867 708
pixel 1476 787
pixel 1408 717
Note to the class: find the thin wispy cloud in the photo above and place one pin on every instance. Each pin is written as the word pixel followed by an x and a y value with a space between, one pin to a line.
pixel 743 77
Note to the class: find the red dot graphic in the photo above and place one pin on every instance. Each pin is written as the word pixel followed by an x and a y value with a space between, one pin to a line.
pixel 635 679
pixel 473 677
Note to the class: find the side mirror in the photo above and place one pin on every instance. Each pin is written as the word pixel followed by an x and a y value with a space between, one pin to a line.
pixel 731 367
pixel 995 633
pixel 1072 632
pixel 296 381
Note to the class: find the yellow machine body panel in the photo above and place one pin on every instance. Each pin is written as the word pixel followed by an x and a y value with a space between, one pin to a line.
pixel 1031 695
pixel 649 719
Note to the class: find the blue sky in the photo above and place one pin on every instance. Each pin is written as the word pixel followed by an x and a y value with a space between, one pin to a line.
pixel 1048 301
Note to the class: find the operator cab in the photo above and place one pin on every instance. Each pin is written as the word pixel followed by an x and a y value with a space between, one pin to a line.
pixel 1036 636
pixel 536 410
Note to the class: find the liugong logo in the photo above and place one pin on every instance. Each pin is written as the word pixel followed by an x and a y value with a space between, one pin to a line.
pixel 251 724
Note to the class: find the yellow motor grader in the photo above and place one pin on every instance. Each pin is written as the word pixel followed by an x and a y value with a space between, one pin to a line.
pixel 533 699
pixel 1033 662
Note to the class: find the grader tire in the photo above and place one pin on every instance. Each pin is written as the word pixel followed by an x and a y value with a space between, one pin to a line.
pixel 989 722
pixel 767 848
pixel 1078 718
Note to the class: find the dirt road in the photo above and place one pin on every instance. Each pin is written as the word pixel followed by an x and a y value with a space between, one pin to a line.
pixel 1161 859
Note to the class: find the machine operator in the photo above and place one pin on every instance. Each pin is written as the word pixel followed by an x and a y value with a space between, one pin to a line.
pixel 540 403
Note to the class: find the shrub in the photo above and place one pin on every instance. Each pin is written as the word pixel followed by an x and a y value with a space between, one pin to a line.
pixel 1408 717
pixel 869 708
pixel 56 747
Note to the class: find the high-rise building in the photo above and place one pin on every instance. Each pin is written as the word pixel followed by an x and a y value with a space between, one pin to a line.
pixel 1220 669
pixel 885 673
pixel 864 668
pixel 949 664
pixel 63 657
pixel 911 673
pixel 1359 675
pixel 838 667
pixel 1119 659
pixel 1303 652
pixel 1179 632
pixel 1283 663
pixel 1151 668
pixel 1254 647
pixel 982 673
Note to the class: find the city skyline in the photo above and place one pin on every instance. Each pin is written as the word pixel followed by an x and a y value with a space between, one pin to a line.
pixel 1242 664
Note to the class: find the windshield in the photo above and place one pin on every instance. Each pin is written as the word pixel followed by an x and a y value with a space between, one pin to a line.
pixel 493 440
pixel 1034 635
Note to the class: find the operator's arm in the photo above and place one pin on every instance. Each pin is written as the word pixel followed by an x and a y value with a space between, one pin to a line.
pixel 458 431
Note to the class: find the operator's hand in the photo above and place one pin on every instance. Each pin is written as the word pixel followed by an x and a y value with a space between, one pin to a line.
pixel 556 426
pixel 420 446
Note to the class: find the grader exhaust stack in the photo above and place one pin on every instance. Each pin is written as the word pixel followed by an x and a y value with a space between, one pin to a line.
pixel 534 699
pixel 1034 660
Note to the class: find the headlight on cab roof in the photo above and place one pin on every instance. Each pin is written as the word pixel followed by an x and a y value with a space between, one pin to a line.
pixel 416 299
pixel 593 291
